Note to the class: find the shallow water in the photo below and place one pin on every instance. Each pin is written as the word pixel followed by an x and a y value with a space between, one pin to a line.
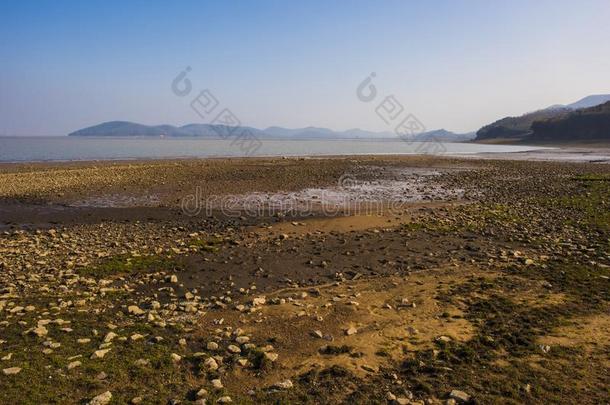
pixel 63 148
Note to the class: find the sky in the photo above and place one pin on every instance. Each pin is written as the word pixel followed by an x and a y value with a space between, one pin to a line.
pixel 457 65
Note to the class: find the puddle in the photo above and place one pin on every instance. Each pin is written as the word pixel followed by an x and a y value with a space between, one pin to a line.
pixel 395 188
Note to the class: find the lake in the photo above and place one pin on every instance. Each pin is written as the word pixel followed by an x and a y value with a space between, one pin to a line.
pixel 63 148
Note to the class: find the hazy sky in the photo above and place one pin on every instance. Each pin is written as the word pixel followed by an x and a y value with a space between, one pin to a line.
pixel 454 64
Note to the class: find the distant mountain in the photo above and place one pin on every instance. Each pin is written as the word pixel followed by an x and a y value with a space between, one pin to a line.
pixel 586 124
pixel 590 101
pixel 129 129
pixel 518 128
pixel 442 135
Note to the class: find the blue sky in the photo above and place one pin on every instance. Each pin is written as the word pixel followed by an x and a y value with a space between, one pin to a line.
pixel 454 64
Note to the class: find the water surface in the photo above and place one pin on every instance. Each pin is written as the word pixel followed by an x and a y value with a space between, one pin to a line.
pixel 63 148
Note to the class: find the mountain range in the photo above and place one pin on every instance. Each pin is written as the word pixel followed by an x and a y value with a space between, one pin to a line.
pixel 521 128
pixel 132 129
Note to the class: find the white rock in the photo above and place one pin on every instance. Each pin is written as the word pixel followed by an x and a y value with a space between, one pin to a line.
pixel 11 370
pixel 101 399
pixel 283 385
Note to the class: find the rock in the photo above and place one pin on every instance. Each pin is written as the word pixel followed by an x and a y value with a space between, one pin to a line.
pixel 74 364
pixel 212 346
pixel 11 370
pixel 135 310
pixel 172 279
pixel 109 337
pixel 242 339
pixel 141 362
pixel 210 364
pixel 136 336
pixel 202 393
pixel 459 396
pixel 283 385
pixel 351 331
pixel 217 384
pixel 39 331
pixel 136 400
pixel 224 400
pixel 101 399
pixel 272 356
pixel 233 349
pixel 99 354
pixel 176 357
pixel 317 333
pixel 258 301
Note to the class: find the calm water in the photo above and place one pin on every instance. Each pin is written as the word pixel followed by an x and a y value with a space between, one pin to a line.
pixel 20 149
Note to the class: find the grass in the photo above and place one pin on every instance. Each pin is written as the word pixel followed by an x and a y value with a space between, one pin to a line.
pixel 123 265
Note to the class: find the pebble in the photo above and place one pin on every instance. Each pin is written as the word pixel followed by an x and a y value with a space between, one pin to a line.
pixel 74 364
pixel 283 385
pixel 459 396
pixel 99 354
pixel 101 399
pixel 135 310
pixel 11 370
pixel 233 349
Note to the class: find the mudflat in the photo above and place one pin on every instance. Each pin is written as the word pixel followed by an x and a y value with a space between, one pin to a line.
pixel 318 280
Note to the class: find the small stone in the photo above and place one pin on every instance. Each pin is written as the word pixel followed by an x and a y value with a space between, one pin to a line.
pixel 272 356
pixel 202 393
pixel 233 349
pixel 224 400
pixel 101 399
pixel 258 301
pixel 459 396
pixel 351 331
pixel 11 370
pixel 136 336
pixel 176 357
pixel 39 331
pixel 99 354
pixel 210 364
pixel 136 400
pixel 242 339
pixel 135 310
pixel 212 346
pixel 141 362
pixel 283 385
pixel 217 384
pixel 74 364
pixel 317 333
pixel 109 337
